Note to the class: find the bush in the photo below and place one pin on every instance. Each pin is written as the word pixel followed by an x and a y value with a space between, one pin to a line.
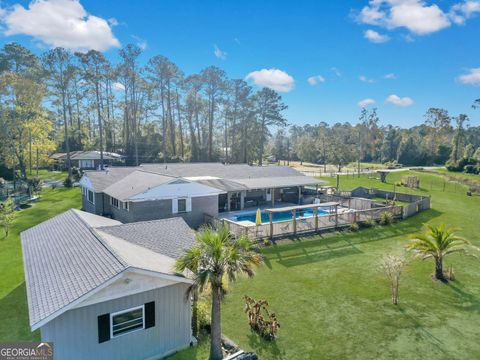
pixel 369 223
pixel 471 169
pixel 354 227
pixel 35 184
pixel 76 173
pixel 266 242
pixel 203 315
pixel 386 218
pixel 68 182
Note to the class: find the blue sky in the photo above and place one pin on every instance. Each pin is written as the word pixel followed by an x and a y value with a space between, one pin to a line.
pixel 352 48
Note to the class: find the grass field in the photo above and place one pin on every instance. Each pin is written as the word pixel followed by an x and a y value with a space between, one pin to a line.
pixel 13 305
pixel 333 301
pixel 327 291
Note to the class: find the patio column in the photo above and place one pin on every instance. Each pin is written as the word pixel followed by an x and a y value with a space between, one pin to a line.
pixel 271 224
pixel 299 194
pixel 228 201
pixel 242 199
pixel 315 214
pixel 294 216
pixel 272 191
pixel 336 216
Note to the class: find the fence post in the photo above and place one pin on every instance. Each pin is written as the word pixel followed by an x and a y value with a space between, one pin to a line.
pixel 294 213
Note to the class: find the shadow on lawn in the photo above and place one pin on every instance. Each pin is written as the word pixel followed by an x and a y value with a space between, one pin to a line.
pixel 466 301
pixel 262 347
pixel 14 314
pixel 321 247
pixel 420 329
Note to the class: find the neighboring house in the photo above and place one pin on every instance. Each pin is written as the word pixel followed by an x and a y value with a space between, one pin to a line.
pixel 87 160
pixel 99 289
pixel 190 190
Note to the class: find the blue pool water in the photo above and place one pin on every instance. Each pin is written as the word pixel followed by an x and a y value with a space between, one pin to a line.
pixel 278 216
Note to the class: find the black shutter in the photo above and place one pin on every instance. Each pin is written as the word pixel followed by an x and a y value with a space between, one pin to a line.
pixel 103 328
pixel 149 314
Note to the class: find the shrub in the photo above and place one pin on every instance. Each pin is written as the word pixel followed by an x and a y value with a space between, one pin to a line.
pixel 354 227
pixel 260 319
pixel 35 184
pixel 68 182
pixel 76 173
pixel 203 315
pixel 386 218
pixel 471 169
pixel 369 223
pixel 266 242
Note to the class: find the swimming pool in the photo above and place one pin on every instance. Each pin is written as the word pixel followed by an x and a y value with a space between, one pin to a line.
pixel 278 216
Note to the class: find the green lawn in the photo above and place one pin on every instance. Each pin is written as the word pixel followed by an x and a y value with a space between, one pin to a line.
pixel 333 301
pixel 13 306
pixel 327 291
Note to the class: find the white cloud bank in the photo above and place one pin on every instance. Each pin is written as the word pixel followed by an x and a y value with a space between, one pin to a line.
pixel 390 76
pixel 365 79
pixel 418 16
pixel 63 23
pixel 118 86
pixel 219 53
pixel 365 102
pixel 275 79
pixel 399 101
pixel 314 80
pixel 471 78
pixel 375 37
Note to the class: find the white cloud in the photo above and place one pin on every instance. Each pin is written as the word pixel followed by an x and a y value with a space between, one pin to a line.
pixel 375 37
pixel 365 102
pixel 415 15
pixel 398 101
pixel 336 71
pixel 141 43
pixel 62 23
pixel 113 22
pixel 459 13
pixel 390 76
pixel 118 86
pixel 314 80
pixel 365 79
pixel 471 78
pixel 219 53
pixel 272 78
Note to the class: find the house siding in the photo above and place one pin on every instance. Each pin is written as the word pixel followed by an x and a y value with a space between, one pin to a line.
pixel 75 333
pixel 162 209
pixel 96 208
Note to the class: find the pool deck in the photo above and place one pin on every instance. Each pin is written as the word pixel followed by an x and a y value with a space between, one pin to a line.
pixel 252 210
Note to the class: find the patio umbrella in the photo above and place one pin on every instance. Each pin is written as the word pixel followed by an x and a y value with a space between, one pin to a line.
pixel 258 218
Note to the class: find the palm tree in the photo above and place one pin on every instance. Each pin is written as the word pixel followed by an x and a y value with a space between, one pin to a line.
pixel 216 256
pixel 437 242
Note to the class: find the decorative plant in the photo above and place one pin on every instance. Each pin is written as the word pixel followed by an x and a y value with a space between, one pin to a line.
pixel 393 265
pixel 260 319
pixel 437 242
pixel 7 214
pixel 386 218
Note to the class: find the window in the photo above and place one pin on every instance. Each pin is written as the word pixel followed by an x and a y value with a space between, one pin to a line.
pixel 91 196
pixel 182 205
pixel 114 202
pixel 125 205
pixel 126 321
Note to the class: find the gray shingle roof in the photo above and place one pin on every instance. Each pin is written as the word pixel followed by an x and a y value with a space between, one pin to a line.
pixel 66 257
pixel 136 182
pixel 147 233
pixel 103 179
pixel 234 177
pixel 63 260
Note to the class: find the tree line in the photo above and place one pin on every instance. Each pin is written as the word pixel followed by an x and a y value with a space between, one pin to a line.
pixel 440 139
pixel 62 102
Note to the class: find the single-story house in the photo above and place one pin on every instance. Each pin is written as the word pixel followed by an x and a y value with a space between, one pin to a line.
pixel 189 190
pixel 99 289
pixel 87 160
